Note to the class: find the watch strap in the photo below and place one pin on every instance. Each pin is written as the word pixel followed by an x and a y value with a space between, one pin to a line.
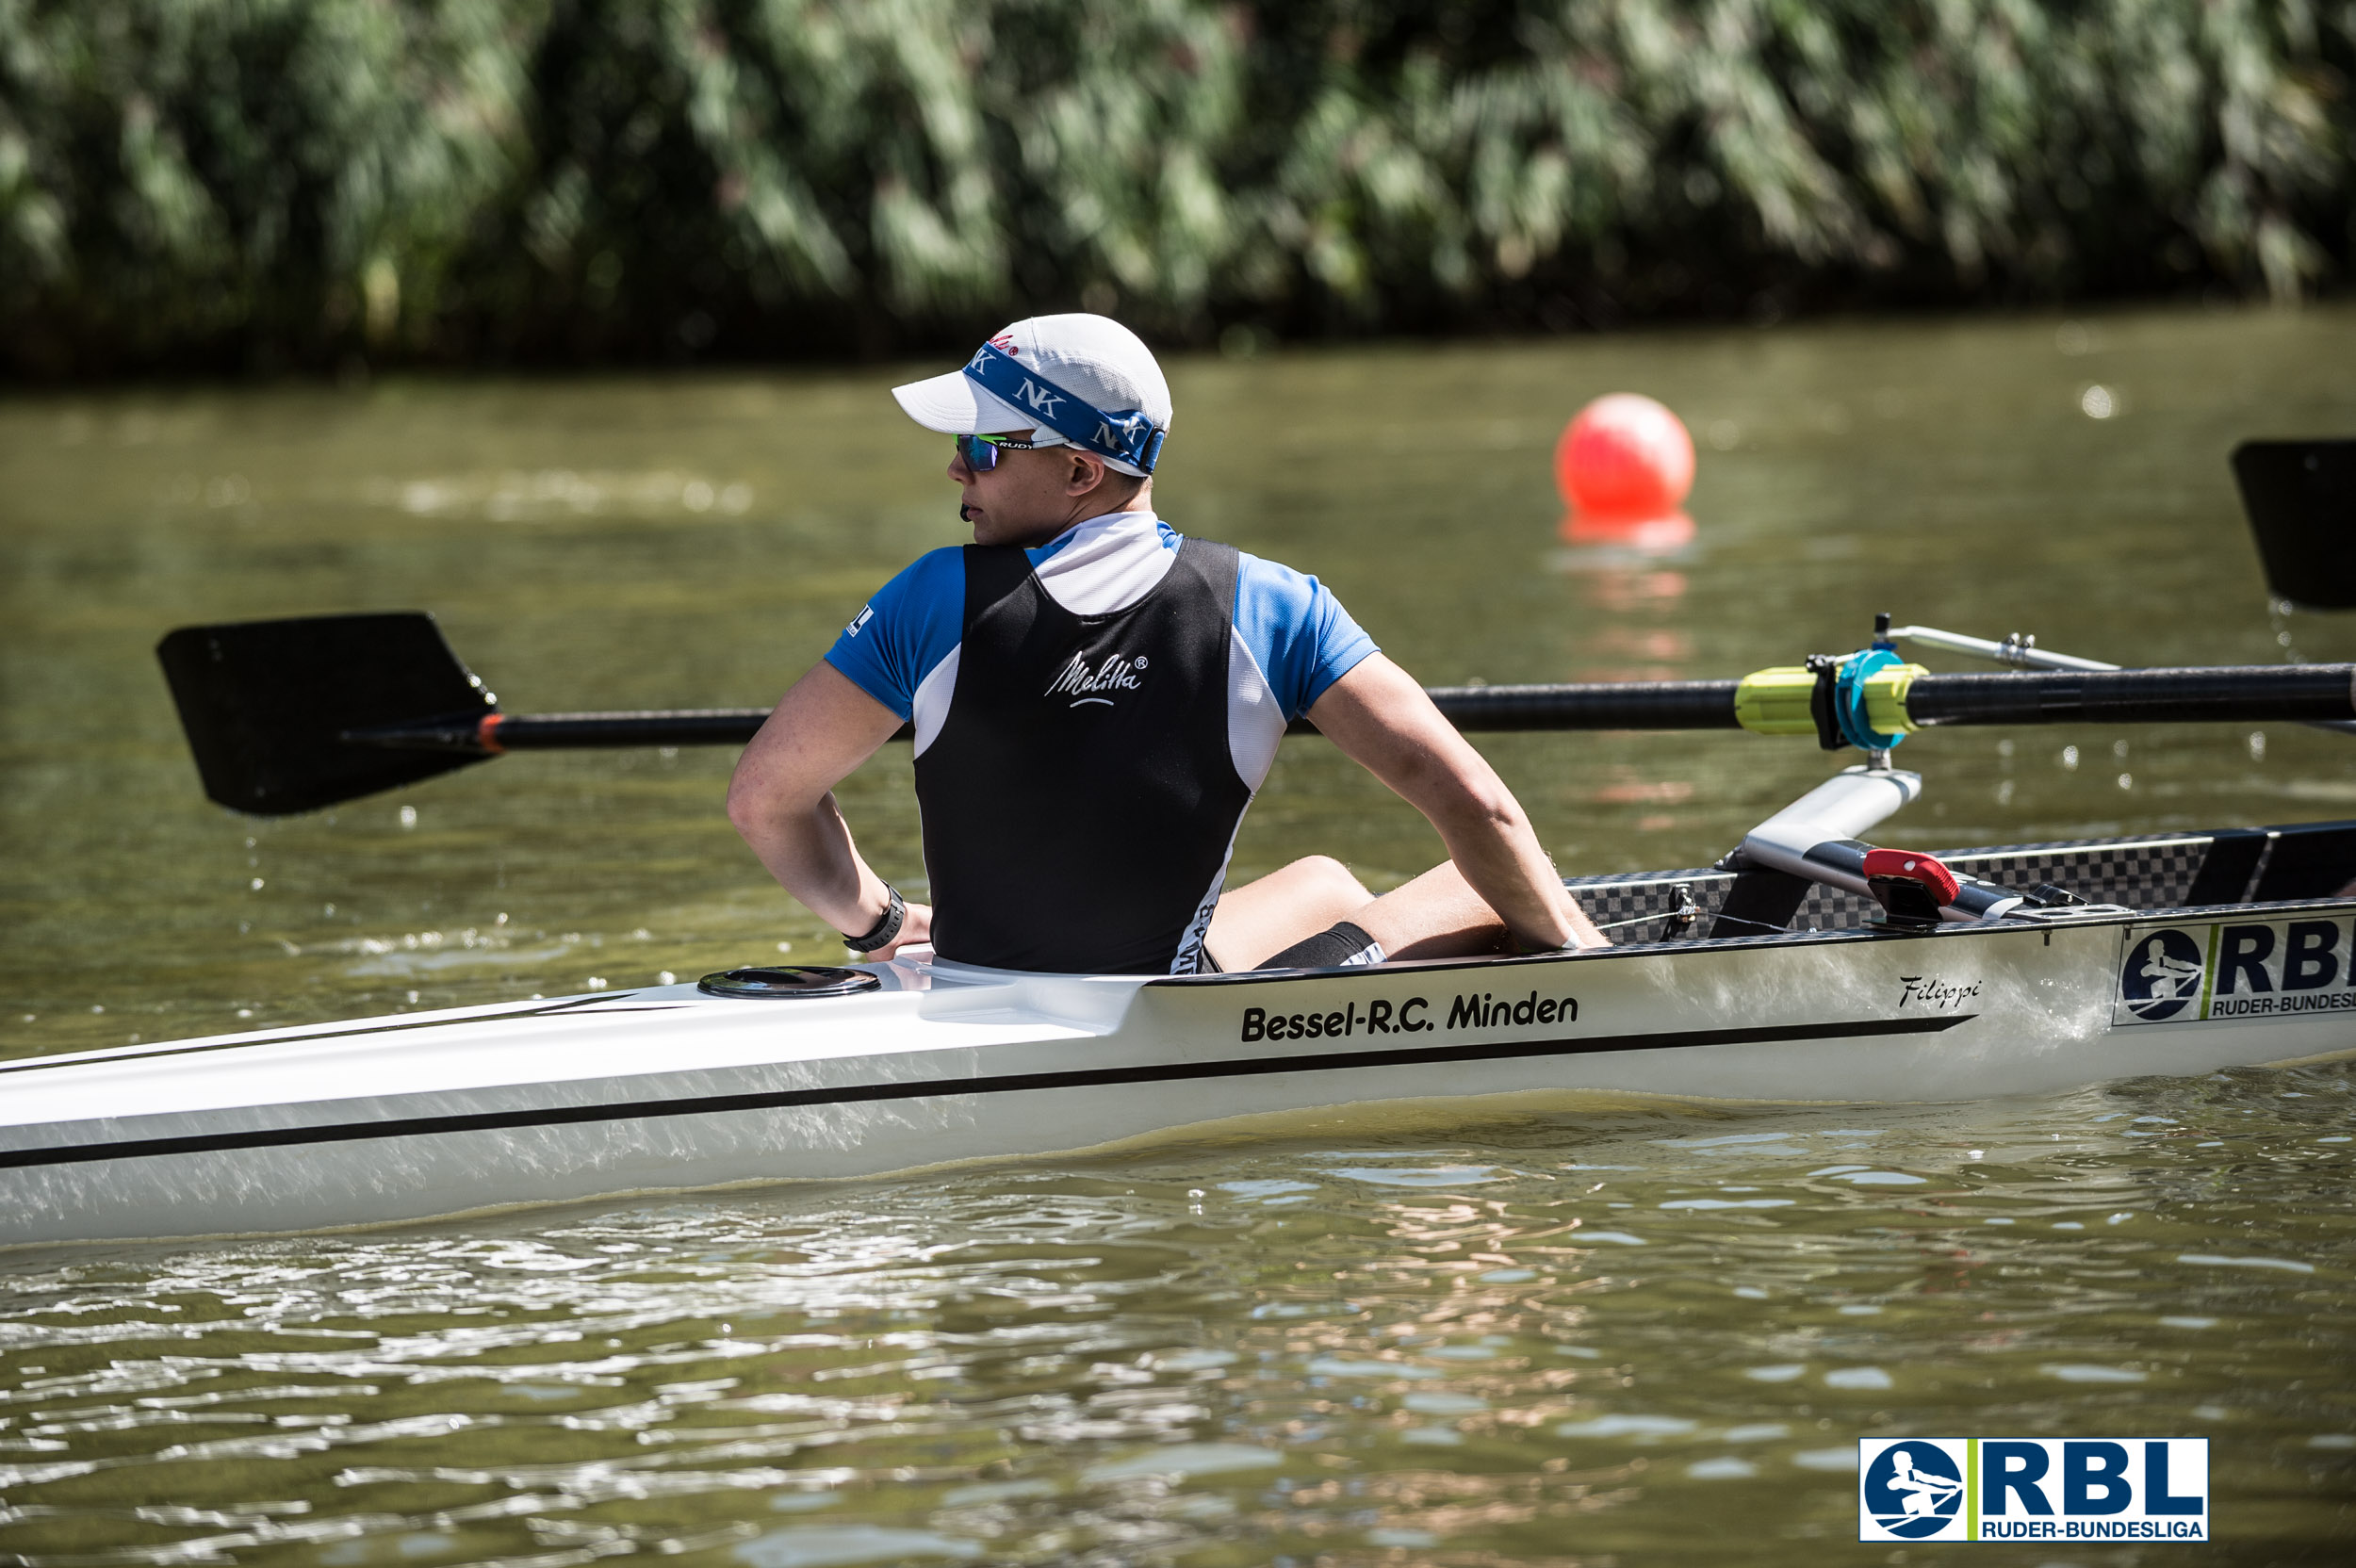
pixel 894 916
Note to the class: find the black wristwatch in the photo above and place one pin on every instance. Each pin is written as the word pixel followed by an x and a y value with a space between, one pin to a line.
pixel 894 916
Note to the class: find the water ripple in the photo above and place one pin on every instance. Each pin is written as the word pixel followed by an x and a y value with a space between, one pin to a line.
pixel 1307 1348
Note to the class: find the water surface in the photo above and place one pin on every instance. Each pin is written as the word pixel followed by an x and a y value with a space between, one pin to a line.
pixel 1603 1332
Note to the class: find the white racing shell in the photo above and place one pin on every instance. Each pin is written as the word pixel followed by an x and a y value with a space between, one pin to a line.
pixel 434 1114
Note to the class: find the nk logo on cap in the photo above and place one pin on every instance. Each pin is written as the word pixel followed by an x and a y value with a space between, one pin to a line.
pixel 2154 1488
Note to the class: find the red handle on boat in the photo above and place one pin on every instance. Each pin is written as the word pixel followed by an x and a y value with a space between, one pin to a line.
pixel 1914 867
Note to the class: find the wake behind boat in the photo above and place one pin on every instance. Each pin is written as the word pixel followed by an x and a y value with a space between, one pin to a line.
pixel 2192 953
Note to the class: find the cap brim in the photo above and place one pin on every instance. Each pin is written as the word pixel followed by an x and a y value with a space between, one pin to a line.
pixel 955 405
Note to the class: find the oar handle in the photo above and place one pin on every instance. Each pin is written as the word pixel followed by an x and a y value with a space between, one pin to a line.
pixel 2229 694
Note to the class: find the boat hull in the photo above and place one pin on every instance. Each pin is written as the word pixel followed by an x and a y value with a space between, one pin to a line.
pixel 414 1116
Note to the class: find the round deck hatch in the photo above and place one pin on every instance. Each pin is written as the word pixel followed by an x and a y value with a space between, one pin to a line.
pixel 788 980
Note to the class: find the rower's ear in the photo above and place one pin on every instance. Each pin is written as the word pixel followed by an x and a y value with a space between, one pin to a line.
pixel 1090 473
pixel 1086 471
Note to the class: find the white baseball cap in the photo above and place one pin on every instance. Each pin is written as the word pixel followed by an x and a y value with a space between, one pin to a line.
pixel 1077 380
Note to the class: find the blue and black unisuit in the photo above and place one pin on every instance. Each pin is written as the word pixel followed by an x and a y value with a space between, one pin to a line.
pixel 1080 798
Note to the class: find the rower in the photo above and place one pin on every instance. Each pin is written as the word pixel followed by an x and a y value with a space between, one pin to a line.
pixel 1096 699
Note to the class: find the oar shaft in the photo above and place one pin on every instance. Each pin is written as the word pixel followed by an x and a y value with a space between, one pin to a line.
pixel 1596 705
pixel 489 734
pixel 709 726
pixel 1617 705
pixel 2252 693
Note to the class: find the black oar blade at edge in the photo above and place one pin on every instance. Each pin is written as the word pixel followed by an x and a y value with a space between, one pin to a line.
pixel 2301 497
pixel 266 705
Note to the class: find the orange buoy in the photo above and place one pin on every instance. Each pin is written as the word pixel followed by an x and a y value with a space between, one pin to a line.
pixel 1624 467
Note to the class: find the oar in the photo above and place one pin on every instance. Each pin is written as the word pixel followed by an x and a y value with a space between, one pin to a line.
pixel 2300 496
pixel 287 716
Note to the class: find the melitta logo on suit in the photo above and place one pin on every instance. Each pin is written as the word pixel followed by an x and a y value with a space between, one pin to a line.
pixel 2151 1488
pixel 1118 672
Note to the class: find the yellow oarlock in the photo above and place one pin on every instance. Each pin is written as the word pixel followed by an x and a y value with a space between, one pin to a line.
pixel 1776 701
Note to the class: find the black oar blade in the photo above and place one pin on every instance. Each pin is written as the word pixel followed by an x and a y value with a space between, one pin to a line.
pixel 266 705
pixel 2300 496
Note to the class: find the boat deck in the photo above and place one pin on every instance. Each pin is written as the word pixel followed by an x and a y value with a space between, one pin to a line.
pixel 2255 865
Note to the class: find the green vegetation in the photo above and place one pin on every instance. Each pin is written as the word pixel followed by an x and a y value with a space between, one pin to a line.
pixel 210 183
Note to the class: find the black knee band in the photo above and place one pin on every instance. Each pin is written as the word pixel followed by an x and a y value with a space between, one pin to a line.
pixel 1336 946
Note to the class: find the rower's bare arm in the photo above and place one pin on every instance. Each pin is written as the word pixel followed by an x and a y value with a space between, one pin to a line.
pixel 1381 718
pixel 781 799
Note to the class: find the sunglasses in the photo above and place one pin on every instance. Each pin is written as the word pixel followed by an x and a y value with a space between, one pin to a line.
pixel 980 453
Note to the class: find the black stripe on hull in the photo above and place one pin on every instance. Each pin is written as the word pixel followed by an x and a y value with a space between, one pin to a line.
pixel 924 1088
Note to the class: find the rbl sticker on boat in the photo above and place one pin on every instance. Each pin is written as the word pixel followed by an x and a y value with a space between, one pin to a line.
pixel 2188 973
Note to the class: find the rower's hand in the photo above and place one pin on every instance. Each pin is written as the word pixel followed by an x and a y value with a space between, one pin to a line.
pixel 1583 932
pixel 916 929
